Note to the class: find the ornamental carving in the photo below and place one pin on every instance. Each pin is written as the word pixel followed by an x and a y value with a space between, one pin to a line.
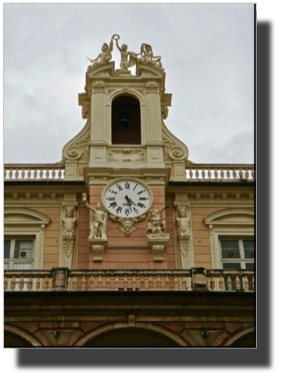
pixel 80 150
pixel 183 229
pixel 152 86
pixel 155 222
pixel 98 87
pixel 127 225
pixel 68 236
pixel 174 149
pixel 105 55
pixel 164 112
pixel 126 155
pixel 85 112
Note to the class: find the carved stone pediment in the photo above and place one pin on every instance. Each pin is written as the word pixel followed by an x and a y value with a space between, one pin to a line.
pixel 77 148
pixel 98 70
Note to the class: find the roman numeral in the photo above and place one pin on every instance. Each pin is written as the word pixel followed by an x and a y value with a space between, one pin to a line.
pixel 135 210
pixel 135 187
pixel 119 209
pixel 141 205
pixel 143 198
pixel 127 185
pixel 119 187
pixel 127 211
pixel 113 205
pixel 113 192
pixel 110 198
pixel 138 193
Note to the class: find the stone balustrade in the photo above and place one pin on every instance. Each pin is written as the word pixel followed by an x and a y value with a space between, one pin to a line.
pixel 34 172
pixel 219 172
pixel 63 279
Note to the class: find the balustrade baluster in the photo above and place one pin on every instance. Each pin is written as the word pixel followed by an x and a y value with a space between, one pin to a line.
pixel 99 282
pixel 175 282
pixel 221 283
pixel 229 282
pixel 210 173
pixel 150 283
pixel 237 283
pixel 53 174
pixel 41 174
pixel 252 174
pixel 5 173
pixel 13 282
pixel 16 174
pixel 253 282
pixel 246 283
pixel 125 283
pixel 158 282
pixel 29 173
pixel 46 283
pixel 10 173
pixel 91 284
pixel 38 283
pixel 191 174
pixel 167 282
pixel 30 283
pixel 222 174
pixel 116 283
pixel 5 283
pixel 108 283
pixel 142 283
pixel 83 282
pixel 212 284
pixel 74 283
pixel 197 173
pixel 184 283
pixel 133 282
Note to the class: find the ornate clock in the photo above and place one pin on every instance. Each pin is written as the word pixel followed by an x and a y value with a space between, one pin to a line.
pixel 127 198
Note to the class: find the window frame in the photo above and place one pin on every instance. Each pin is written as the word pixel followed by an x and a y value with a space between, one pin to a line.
pixel 12 260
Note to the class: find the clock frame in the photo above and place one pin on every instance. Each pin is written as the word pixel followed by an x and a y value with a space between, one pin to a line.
pixel 127 198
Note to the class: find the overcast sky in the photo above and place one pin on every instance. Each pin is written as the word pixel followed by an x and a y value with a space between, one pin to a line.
pixel 207 51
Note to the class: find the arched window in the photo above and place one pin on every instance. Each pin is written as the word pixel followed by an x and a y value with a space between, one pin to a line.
pixel 126 125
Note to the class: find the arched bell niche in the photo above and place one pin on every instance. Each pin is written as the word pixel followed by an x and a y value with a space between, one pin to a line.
pixel 126 121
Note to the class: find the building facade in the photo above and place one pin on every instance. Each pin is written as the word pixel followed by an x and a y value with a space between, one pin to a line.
pixel 126 242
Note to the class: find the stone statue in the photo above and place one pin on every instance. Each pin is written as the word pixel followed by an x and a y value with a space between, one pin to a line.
pixel 128 58
pixel 183 233
pixel 68 235
pixel 106 54
pixel 155 222
pixel 148 56
pixel 98 222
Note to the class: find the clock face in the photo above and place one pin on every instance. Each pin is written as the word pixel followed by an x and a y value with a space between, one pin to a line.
pixel 127 198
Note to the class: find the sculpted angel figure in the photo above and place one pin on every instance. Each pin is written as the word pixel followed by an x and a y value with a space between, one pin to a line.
pixel 155 222
pixel 68 231
pixel 148 55
pixel 98 222
pixel 128 58
pixel 106 54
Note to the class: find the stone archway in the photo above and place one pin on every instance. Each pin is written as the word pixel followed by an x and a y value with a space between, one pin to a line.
pixel 120 335
pixel 18 338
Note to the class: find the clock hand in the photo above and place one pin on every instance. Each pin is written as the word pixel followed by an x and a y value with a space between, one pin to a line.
pixel 129 202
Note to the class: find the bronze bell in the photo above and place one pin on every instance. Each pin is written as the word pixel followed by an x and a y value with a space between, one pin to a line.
pixel 124 116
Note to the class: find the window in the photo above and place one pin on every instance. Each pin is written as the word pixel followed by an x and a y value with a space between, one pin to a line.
pixel 19 255
pixel 126 123
pixel 237 254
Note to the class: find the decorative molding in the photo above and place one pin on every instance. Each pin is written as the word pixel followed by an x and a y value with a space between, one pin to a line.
pixel 98 87
pixel 174 149
pixel 78 148
pixel 158 252
pixel 85 112
pixel 164 113
pixel 152 87
pixel 126 155
pixel 127 225
pixel 183 228
pixel 98 252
